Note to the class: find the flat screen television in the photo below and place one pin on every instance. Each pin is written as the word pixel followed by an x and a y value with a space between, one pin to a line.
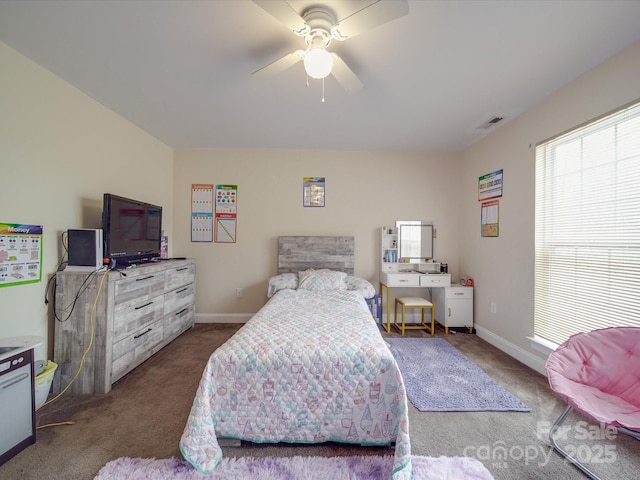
pixel 132 230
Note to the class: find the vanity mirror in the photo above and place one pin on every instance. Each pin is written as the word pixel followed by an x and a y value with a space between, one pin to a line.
pixel 415 241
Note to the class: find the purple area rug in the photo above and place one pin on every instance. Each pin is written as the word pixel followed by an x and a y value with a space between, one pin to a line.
pixel 439 378
pixel 295 468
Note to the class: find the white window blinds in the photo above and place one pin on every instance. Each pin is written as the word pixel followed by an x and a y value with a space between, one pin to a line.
pixel 587 240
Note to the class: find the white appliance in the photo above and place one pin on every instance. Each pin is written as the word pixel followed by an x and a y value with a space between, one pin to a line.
pixel 17 401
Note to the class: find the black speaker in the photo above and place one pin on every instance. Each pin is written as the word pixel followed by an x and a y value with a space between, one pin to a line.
pixel 84 247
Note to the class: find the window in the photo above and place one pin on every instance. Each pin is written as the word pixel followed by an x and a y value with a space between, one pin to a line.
pixel 587 221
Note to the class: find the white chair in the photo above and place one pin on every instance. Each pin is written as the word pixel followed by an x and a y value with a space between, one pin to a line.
pixel 414 302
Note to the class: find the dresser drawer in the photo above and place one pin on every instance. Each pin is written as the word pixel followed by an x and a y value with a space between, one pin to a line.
pixel 178 299
pixel 436 280
pixel 177 322
pixel 135 348
pixel 178 276
pixel 134 288
pixel 137 314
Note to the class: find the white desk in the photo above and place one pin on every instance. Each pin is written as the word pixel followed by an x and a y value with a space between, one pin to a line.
pixel 454 307
pixel 10 346
pixel 410 279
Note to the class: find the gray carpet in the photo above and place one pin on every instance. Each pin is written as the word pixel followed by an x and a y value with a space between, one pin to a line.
pixel 145 413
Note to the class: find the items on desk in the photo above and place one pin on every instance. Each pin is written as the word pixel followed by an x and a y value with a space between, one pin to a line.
pixel 390 256
pixel 466 281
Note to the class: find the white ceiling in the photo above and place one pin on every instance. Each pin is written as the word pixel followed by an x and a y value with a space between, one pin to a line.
pixel 181 70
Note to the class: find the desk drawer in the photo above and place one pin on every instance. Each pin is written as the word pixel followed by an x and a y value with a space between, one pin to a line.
pixel 438 280
pixel 458 291
pixel 403 280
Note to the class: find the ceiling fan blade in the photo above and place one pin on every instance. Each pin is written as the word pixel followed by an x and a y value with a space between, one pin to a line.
pixel 382 11
pixel 279 65
pixel 345 76
pixel 284 13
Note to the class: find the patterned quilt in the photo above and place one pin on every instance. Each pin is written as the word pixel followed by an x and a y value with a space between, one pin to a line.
pixel 309 367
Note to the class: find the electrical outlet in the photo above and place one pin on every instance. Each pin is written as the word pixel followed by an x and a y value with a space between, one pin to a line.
pixel 239 292
pixel 494 308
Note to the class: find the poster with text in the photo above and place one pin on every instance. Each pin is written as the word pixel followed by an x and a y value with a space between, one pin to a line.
pixel 226 216
pixel 20 254
pixel 313 191
pixel 490 224
pixel 201 212
pixel 490 185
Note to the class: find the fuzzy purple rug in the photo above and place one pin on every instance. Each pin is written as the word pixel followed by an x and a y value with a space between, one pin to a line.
pixel 295 468
pixel 440 378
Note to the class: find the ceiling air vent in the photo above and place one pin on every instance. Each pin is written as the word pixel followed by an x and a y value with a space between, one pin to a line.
pixel 492 122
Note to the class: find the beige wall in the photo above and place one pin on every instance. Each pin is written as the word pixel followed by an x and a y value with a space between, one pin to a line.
pixel 364 191
pixel 503 268
pixel 60 151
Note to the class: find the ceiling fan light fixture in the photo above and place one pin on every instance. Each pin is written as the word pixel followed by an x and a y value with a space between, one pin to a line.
pixel 318 63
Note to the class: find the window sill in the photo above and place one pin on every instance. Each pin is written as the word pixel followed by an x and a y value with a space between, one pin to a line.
pixel 541 345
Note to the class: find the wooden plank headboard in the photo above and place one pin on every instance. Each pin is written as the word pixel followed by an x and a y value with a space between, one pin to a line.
pixel 296 254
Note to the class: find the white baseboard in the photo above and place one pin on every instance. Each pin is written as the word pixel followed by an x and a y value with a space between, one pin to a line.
pixel 223 317
pixel 509 348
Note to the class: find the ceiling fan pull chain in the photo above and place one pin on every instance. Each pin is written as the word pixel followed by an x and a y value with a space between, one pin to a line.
pixel 323 90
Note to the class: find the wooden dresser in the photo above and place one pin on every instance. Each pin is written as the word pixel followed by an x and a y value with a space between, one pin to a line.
pixel 126 317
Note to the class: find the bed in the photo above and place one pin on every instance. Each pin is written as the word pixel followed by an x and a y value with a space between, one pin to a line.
pixel 309 367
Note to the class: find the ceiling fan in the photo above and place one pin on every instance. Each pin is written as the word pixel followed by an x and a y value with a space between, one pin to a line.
pixel 318 26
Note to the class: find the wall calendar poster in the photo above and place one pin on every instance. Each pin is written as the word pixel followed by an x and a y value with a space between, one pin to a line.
pixel 226 216
pixel 490 224
pixel 490 185
pixel 20 254
pixel 201 212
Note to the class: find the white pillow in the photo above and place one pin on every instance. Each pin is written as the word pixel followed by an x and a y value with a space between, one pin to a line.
pixel 282 282
pixel 360 285
pixel 322 280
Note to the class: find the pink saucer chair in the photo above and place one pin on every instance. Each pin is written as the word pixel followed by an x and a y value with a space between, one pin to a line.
pixel 598 374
